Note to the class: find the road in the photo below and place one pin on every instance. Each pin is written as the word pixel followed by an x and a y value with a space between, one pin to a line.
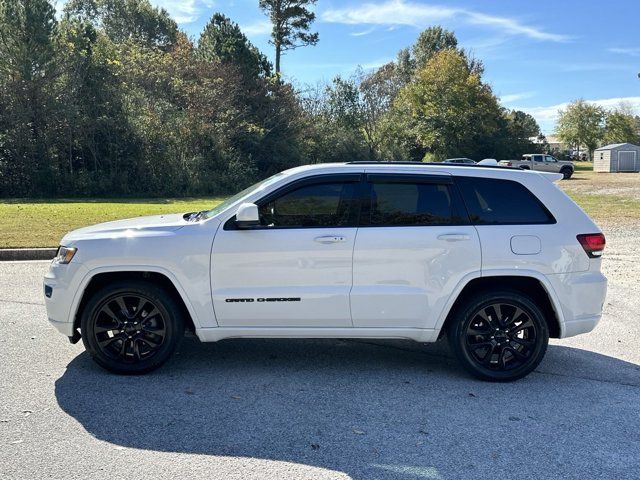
pixel 275 409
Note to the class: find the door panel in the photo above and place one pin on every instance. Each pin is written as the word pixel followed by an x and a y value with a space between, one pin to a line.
pixel 402 277
pixel 282 277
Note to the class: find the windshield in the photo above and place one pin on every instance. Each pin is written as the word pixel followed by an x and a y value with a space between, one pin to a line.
pixel 244 193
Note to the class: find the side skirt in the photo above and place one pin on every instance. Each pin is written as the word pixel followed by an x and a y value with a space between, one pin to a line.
pixel 220 333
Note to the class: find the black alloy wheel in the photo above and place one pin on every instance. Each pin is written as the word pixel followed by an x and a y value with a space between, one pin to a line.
pixel 131 327
pixel 500 337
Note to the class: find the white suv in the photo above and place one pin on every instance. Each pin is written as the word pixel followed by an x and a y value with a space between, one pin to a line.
pixel 499 259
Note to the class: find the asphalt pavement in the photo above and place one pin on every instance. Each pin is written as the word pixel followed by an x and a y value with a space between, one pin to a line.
pixel 314 409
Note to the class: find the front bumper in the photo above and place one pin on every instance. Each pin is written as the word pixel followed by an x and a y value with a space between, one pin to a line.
pixel 61 285
pixel 581 296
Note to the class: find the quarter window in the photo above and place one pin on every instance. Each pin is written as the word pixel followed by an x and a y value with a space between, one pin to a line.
pixel 492 201
pixel 315 205
pixel 410 204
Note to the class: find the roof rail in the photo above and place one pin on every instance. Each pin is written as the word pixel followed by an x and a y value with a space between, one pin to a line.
pixel 431 164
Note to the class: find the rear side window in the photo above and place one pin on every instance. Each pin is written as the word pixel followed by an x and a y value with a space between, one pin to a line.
pixel 410 204
pixel 492 201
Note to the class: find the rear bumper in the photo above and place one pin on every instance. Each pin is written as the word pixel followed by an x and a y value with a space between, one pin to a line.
pixel 581 297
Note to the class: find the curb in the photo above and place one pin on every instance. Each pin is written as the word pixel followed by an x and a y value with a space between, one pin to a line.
pixel 8 254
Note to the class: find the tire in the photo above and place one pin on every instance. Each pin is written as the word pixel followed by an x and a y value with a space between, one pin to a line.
pixel 566 173
pixel 501 351
pixel 135 342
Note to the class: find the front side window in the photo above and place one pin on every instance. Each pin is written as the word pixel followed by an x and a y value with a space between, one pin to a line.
pixel 492 201
pixel 316 205
pixel 549 158
pixel 410 204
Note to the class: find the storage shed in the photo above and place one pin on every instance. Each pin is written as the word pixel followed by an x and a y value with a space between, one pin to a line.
pixel 617 157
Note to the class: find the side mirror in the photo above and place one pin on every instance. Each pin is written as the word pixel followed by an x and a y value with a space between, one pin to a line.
pixel 247 216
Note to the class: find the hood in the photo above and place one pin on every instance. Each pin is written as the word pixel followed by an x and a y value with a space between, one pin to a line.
pixel 139 226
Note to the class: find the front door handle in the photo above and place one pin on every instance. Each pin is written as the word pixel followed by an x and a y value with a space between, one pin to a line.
pixel 454 237
pixel 331 239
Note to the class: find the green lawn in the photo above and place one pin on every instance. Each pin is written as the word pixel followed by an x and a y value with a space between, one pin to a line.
pixel 42 223
pixel 608 209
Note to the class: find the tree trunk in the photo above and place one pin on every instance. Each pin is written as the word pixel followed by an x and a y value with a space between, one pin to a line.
pixel 278 57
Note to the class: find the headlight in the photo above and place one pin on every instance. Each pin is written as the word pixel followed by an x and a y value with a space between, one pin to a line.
pixel 65 254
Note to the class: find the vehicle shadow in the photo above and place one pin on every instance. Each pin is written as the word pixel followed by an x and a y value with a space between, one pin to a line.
pixel 367 409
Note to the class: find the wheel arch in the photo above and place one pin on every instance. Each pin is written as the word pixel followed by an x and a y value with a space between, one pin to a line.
pixel 98 278
pixel 529 283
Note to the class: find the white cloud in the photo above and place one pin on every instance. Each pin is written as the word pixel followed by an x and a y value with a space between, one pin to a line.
pixel 634 52
pixel 183 11
pixel 514 97
pixel 547 116
pixel 402 12
pixel 260 27
pixel 362 33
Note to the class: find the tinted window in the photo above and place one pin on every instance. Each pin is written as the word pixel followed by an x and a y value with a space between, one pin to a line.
pixel 317 205
pixel 493 201
pixel 405 204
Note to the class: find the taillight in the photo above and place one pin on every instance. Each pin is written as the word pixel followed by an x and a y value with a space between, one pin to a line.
pixel 509 164
pixel 593 244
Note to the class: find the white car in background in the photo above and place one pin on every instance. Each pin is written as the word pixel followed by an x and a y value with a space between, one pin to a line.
pixel 498 259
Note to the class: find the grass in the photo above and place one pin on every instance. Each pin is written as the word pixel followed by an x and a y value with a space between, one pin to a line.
pixel 42 223
pixel 583 166
pixel 607 209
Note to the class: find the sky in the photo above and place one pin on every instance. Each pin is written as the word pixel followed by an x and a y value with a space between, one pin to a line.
pixel 538 55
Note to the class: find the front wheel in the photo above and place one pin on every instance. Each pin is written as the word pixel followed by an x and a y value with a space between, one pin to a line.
pixel 566 173
pixel 131 327
pixel 499 336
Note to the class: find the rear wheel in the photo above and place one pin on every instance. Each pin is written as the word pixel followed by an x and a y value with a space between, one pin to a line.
pixel 566 173
pixel 500 336
pixel 131 327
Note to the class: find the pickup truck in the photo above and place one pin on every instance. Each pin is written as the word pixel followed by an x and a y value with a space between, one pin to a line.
pixel 541 162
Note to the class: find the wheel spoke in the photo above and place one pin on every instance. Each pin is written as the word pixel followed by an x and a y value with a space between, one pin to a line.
pixel 477 346
pixel 487 357
pixel 123 307
pixel 519 355
pixel 501 358
pixel 153 344
pixel 106 309
pixel 526 324
pixel 478 333
pixel 108 341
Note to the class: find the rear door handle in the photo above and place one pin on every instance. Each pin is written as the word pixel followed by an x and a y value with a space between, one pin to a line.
pixel 330 239
pixel 453 237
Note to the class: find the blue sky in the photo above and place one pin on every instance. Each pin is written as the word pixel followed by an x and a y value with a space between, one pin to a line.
pixel 538 54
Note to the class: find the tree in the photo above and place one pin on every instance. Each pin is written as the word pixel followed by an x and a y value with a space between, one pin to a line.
pixel 620 126
pixel 127 19
pixel 581 124
pixel 431 41
pixel 448 110
pixel 223 41
pixel 27 99
pixel 291 20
